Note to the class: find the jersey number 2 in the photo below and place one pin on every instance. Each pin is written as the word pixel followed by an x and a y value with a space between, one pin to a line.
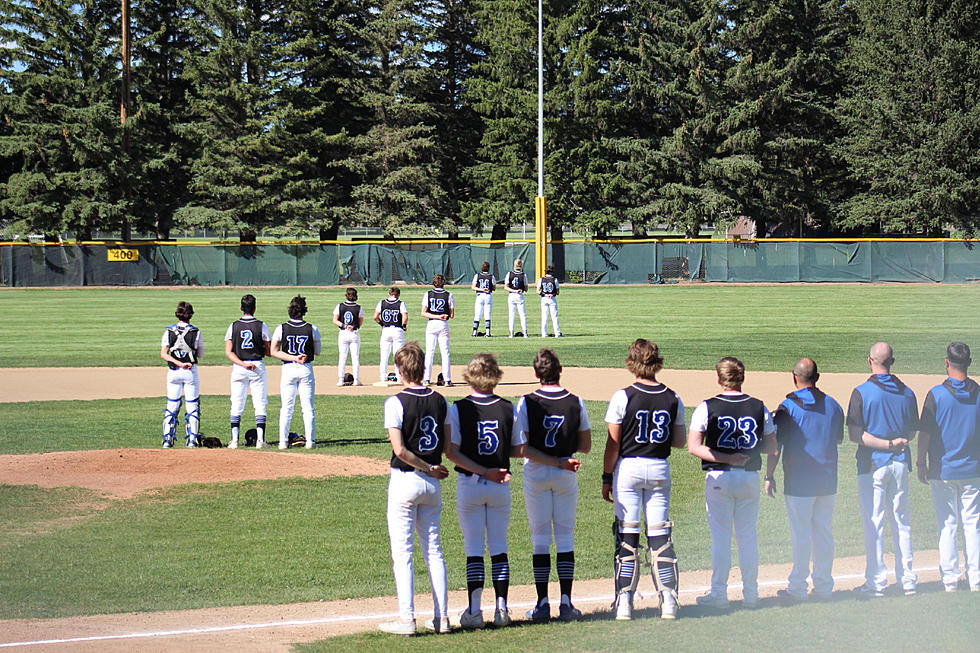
pixel 246 339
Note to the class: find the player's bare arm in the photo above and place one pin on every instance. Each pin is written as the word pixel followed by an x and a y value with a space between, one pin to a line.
pixel 570 464
pixel 860 436
pixel 609 459
pixel 678 436
pixel 584 441
pixel 165 355
pixel 697 448
pixel 770 481
pixel 277 352
pixel 409 458
pixel 493 474
pixel 230 354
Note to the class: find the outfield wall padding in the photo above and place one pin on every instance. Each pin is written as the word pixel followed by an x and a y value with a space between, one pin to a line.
pixel 383 263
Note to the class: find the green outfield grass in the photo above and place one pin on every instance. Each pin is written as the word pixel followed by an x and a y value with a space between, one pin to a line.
pixel 70 551
pixel 768 327
pixel 898 625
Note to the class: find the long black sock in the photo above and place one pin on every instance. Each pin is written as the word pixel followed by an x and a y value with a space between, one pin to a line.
pixel 236 424
pixel 565 561
pixel 500 572
pixel 475 577
pixel 542 572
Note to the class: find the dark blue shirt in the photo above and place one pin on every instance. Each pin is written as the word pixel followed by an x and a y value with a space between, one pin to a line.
pixel 949 415
pixel 884 407
pixel 809 426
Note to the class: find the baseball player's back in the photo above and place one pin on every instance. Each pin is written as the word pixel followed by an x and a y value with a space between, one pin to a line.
pixel 247 343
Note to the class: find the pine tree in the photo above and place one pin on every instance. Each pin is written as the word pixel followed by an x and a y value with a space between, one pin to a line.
pixel 503 91
pixel 161 157
pixel 237 177
pixel 395 158
pixel 912 117
pixel 61 107
pixel 672 159
pixel 780 120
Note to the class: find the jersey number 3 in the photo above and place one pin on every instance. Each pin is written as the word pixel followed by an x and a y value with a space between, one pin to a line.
pixel 430 437
pixel 486 432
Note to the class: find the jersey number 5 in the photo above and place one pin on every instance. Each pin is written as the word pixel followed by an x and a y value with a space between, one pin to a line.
pixel 486 432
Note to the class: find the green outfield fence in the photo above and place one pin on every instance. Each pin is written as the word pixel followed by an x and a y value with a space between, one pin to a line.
pixel 331 263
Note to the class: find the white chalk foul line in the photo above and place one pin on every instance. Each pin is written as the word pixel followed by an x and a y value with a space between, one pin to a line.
pixel 360 617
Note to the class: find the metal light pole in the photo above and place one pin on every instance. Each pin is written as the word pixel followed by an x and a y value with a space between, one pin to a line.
pixel 540 207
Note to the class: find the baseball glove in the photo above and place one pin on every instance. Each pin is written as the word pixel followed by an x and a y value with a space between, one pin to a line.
pixel 211 443
pixel 296 440
pixel 251 437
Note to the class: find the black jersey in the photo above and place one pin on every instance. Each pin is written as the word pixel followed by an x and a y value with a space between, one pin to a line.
pixel 549 285
pixel 517 280
pixel 648 422
pixel 186 353
pixel 438 299
pixel 423 426
pixel 297 338
pixel 553 421
pixel 391 313
pixel 735 425
pixel 486 425
pixel 349 312
pixel 484 281
pixel 246 339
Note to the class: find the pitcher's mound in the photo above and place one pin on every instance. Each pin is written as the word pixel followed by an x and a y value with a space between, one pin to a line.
pixel 124 473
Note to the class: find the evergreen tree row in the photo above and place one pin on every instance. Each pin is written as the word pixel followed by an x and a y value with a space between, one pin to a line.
pixel 298 117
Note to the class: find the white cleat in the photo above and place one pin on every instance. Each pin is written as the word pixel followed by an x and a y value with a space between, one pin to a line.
pixel 283 445
pixel 439 627
pixel 233 444
pixel 398 627
pixel 501 617
pixel 471 619
pixel 624 607
pixel 668 608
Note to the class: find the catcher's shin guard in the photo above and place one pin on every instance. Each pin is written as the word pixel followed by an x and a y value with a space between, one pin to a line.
pixel 663 561
pixel 192 418
pixel 626 561
pixel 170 420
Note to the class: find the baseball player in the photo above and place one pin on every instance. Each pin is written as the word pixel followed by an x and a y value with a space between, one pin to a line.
pixel 516 285
pixel 644 420
pixel 483 285
pixel 438 306
pixel 809 427
pixel 949 461
pixel 247 342
pixel 415 420
pixel 729 432
pixel 882 417
pixel 296 343
pixel 548 289
pixel 348 317
pixel 481 444
pixel 182 346
pixel 392 314
pixel 556 425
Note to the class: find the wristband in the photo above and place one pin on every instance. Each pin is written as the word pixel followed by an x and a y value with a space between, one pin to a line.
pixel 770 479
pixel 607 479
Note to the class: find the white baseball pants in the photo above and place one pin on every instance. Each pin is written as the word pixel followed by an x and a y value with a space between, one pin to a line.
pixel 242 381
pixel 957 503
pixel 515 302
pixel 482 306
pixel 349 341
pixel 437 333
pixel 551 498
pixel 811 531
pixel 549 306
pixel 415 505
pixel 297 379
pixel 392 339
pixel 642 486
pixel 885 494
pixel 182 383
pixel 483 510
pixel 731 498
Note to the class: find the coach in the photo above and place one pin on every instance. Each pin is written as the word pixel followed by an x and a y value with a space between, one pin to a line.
pixel 949 460
pixel 809 426
pixel 881 418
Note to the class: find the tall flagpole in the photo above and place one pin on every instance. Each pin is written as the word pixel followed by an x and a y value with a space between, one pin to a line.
pixel 540 207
